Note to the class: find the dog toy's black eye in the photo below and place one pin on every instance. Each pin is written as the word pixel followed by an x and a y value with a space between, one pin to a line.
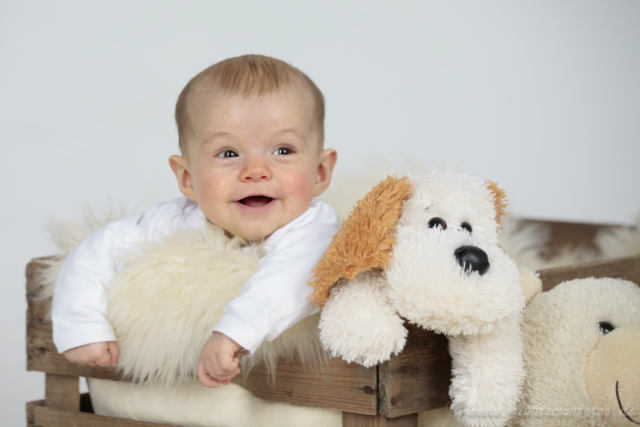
pixel 437 222
pixel 466 226
pixel 605 327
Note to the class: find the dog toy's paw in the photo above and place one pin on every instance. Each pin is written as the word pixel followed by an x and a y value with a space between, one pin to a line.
pixel 488 371
pixel 358 324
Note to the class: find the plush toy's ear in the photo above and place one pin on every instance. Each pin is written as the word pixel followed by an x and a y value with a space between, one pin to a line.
pixel 364 242
pixel 499 200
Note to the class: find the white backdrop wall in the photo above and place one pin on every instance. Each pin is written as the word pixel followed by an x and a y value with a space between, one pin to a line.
pixel 541 96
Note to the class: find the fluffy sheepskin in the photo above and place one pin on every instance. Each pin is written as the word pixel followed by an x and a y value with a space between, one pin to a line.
pixel 565 381
pixel 147 304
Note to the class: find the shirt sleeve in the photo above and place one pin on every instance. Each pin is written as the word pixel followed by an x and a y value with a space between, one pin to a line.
pixel 79 311
pixel 277 296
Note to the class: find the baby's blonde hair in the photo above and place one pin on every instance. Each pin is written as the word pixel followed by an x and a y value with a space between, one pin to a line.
pixel 247 75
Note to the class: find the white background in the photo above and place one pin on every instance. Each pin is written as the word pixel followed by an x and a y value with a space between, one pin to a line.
pixel 541 96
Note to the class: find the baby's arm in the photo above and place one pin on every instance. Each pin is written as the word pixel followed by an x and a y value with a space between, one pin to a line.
pixel 277 296
pixel 273 300
pixel 81 330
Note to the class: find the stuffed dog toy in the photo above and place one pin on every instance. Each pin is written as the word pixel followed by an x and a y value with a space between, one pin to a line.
pixel 425 248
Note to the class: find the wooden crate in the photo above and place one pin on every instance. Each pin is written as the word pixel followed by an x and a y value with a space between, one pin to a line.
pixel 390 394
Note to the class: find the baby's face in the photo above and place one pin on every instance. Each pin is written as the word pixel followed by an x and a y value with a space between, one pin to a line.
pixel 254 164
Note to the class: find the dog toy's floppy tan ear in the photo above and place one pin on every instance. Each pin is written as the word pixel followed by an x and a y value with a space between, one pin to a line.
pixel 364 242
pixel 499 200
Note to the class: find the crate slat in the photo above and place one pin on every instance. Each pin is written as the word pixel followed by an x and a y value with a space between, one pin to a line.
pixel 417 379
pixel 42 356
pixel 62 392
pixel 335 385
pixel 358 420
pixel 622 268
pixel 341 387
pixel 31 412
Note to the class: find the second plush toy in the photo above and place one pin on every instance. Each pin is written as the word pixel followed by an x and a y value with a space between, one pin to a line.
pixel 425 248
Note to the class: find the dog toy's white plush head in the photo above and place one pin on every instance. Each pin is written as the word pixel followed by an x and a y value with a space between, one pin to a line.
pixel 447 272
pixel 436 235
pixel 582 355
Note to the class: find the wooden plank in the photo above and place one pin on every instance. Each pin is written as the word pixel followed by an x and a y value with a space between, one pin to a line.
pixel 42 356
pixel 359 420
pixel 50 417
pixel 343 386
pixel 40 310
pixel 418 378
pixel 336 385
pixel 622 268
pixel 33 275
pixel 31 412
pixel 62 392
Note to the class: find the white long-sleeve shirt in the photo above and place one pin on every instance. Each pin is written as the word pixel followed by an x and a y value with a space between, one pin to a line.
pixel 274 299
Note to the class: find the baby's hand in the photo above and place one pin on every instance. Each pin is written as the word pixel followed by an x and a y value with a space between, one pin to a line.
pixel 97 353
pixel 219 360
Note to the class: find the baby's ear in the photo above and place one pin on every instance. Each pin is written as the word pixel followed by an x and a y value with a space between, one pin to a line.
pixel 365 240
pixel 328 159
pixel 180 168
pixel 499 201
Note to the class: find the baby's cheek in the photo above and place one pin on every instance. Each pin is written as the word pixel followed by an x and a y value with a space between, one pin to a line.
pixel 299 187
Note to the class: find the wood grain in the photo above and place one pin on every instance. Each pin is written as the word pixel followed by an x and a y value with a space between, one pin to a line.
pixel 62 392
pixel 621 268
pixel 50 417
pixel 359 420
pixel 418 378
pixel 42 356
pixel 33 275
pixel 335 385
pixel 31 412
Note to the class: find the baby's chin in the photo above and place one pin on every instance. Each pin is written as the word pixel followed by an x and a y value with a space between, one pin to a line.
pixel 253 236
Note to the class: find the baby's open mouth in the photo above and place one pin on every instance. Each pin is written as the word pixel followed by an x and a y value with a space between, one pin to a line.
pixel 255 200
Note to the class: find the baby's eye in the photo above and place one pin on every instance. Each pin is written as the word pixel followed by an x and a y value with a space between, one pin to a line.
pixel 282 151
pixel 227 153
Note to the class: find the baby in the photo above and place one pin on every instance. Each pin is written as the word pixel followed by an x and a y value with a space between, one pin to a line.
pixel 251 132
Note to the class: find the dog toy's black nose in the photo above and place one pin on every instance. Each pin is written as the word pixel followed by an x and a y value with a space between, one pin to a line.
pixel 472 258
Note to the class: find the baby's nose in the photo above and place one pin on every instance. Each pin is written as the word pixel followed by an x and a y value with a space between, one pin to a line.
pixel 256 170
